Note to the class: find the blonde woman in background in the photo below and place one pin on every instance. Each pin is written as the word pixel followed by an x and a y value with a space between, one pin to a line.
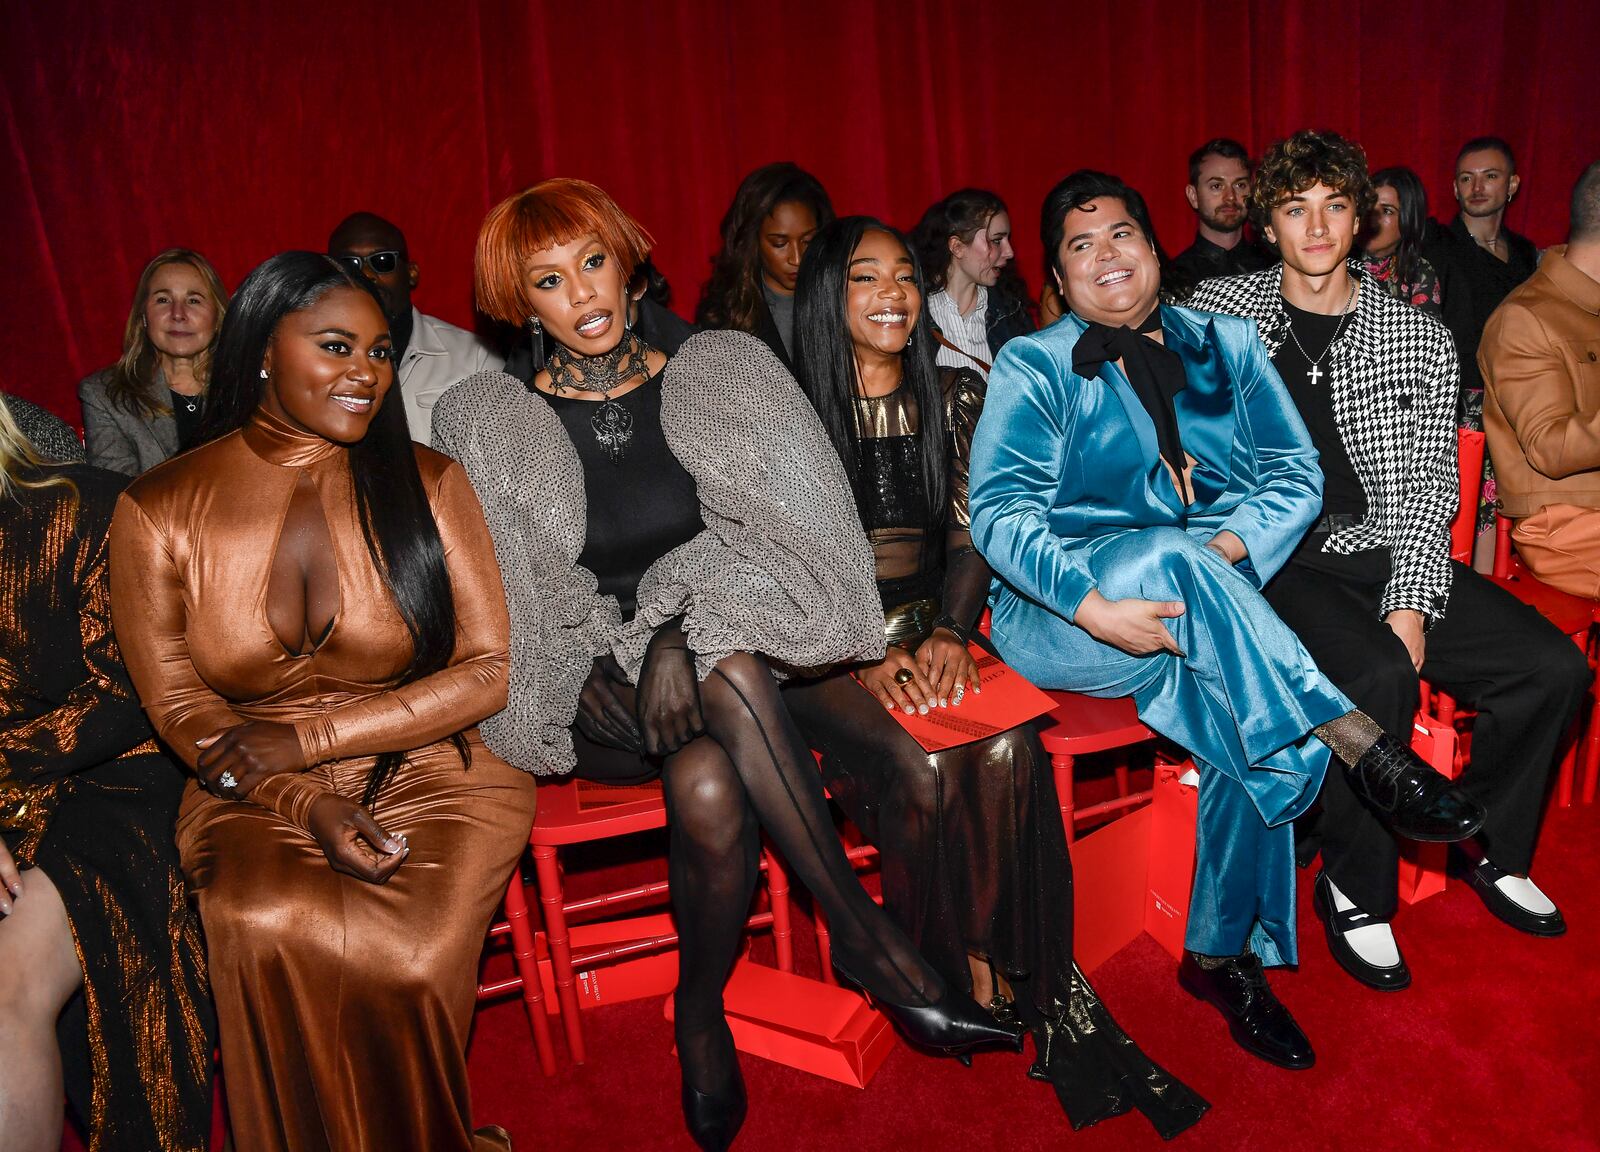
pixel 146 407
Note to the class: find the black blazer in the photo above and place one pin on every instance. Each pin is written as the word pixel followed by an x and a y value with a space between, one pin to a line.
pixel 1472 283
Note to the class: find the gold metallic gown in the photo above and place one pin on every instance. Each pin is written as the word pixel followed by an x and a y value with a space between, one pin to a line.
pixel 344 1006
pixel 86 796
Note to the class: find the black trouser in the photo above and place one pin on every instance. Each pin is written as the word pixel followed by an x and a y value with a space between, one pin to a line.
pixel 1490 651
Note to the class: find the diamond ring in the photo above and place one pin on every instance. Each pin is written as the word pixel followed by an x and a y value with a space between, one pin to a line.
pixel 227 781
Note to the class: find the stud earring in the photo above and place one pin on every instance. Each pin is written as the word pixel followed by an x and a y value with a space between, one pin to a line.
pixel 263 373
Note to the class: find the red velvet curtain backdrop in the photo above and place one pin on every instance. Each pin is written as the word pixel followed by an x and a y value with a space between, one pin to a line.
pixel 248 127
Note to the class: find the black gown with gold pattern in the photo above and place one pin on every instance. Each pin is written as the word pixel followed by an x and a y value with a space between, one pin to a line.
pixel 86 795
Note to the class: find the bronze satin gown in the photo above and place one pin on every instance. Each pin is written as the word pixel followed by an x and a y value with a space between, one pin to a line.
pixel 343 1006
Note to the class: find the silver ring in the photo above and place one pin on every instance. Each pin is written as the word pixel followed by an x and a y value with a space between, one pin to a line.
pixel 961 690
pixel 227 781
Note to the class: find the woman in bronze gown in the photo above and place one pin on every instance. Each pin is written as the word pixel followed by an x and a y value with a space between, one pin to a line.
pixel 100 955
pixel 309 606
pixel 664 552
pixel 974 856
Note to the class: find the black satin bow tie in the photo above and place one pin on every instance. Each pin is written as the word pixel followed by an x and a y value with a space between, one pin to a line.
pixel 1154 371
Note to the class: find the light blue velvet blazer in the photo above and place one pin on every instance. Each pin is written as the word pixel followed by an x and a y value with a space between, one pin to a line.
pixel 1060 460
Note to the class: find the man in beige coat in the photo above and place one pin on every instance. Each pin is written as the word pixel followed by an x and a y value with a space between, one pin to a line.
pixel 1540 358
pixel 433 354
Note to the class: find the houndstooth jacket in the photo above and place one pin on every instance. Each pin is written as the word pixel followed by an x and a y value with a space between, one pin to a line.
pixel 1395 379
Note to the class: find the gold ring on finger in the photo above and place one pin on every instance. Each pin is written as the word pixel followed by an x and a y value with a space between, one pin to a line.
pixel 904 676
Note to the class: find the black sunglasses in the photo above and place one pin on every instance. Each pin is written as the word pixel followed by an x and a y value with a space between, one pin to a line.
pixel 381 263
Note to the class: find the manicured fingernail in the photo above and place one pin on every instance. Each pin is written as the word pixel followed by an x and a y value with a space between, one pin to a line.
pixel 16 889
pixel 910 711
pixel 943 703
pixel 5 908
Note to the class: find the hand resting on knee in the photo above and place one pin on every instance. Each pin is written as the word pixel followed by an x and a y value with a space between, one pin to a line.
pixel 1134 626
pixel 10 880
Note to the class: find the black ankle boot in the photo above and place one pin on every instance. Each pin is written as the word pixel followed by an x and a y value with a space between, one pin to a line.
pixel 954 1024
pixel 1416 801
pixel 714 1120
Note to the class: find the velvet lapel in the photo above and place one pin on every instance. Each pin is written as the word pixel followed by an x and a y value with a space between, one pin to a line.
pixel 1205 407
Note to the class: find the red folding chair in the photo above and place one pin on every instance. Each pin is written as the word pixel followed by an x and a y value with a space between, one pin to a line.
pixel 1573 615
pixel 577 812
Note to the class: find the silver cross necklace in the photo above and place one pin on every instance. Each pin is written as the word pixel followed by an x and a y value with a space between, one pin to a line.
pixel 1316 374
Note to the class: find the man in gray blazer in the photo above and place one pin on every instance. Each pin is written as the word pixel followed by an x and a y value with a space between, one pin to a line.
pixel 433 354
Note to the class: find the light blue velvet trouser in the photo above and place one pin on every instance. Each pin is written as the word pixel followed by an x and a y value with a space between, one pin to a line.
pixel 1243 700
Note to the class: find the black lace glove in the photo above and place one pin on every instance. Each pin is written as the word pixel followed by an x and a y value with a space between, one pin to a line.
pixel 669 692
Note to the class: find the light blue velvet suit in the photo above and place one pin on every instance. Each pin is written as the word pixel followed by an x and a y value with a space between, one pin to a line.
pixel 1068 494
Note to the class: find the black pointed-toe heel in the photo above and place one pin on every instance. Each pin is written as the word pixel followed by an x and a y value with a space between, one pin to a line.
pixel 714 1121
pixel 955 1025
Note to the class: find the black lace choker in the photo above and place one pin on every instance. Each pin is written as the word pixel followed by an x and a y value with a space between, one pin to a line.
pixel 603 374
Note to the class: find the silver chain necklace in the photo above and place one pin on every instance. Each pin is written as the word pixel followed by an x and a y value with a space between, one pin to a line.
pixel 1316 374
pixel 602 374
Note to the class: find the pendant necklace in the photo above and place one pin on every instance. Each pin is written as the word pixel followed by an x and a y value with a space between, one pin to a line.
pixel 1316 373
pixel 612 423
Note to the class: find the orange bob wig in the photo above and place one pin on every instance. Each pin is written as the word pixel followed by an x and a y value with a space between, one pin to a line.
pixel 551 213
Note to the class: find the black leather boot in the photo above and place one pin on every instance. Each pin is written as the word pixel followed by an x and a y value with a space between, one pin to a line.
pixel 1416 801
pixel 1257 1019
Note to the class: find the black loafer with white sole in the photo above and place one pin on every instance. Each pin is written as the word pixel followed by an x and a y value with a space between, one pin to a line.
pixel 1336 923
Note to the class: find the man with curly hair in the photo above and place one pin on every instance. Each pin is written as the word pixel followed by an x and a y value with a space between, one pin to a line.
pixel 1372 591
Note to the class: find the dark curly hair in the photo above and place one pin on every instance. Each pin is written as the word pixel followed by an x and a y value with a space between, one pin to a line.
pixel 962 215
pixel 1306 158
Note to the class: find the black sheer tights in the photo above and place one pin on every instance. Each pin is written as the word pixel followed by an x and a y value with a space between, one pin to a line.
pixel 712 865
pixel 744 713
pixel 751 771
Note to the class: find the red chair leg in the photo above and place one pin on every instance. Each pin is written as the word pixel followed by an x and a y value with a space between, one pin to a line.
pixel 824 947
pixel 1122 780
pixel 1564 775
pixel 551 900
pixel 1062 766
pixel 1591 749
pixel 778 898
pixel 527 961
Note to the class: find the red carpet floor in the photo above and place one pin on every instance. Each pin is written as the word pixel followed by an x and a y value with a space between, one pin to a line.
pixel 1493 1047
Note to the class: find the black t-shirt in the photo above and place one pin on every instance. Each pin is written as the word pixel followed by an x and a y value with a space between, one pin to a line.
pixel 186 414
pixel 640 507
pixel 1341 488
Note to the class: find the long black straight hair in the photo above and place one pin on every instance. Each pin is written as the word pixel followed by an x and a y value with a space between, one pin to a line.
pixel 825 356
pixel 396 520
pixel 1413 217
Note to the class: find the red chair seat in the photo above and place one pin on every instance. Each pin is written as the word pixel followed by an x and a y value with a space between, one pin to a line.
pixel 1081 725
